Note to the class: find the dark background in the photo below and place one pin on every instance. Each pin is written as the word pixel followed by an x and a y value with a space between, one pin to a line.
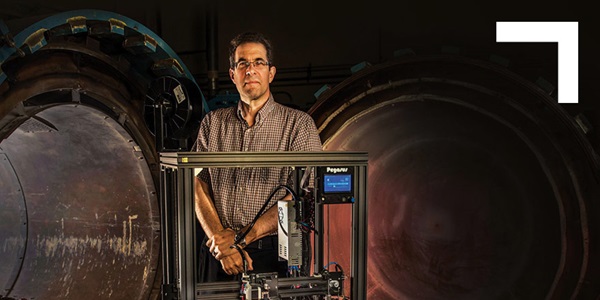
pixel 317 42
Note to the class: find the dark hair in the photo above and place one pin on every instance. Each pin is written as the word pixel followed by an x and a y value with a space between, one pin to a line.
pixel 249 37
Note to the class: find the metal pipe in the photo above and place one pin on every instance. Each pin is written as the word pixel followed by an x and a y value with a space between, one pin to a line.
pixel 212 43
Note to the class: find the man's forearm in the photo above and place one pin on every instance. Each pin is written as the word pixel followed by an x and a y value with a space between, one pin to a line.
pixel 265 225
pixel 205 209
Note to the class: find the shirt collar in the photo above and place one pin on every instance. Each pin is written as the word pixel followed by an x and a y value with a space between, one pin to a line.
pixel 262 113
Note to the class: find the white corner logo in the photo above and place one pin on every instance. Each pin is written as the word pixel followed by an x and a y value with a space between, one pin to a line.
pixel 566 34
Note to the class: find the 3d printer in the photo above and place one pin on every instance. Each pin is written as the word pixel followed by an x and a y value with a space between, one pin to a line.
pixel 340 178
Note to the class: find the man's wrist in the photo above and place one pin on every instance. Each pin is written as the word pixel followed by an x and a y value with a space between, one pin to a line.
pixel 240 241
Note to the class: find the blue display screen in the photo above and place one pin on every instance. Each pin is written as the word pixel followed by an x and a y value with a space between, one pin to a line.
pixel 338 183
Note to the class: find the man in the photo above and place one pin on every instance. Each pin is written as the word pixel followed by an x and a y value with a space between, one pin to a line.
pixel 228 199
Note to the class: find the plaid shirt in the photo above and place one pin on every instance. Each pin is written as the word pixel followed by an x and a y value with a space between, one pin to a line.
pixel 239 193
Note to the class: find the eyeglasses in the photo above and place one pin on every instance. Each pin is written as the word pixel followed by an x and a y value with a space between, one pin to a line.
pixel 244 64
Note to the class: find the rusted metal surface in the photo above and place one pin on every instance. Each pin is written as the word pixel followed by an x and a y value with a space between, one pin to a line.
pixel 78 166
pixel 89 197
pixel 14 224
pixel 479 185
pixel 77 145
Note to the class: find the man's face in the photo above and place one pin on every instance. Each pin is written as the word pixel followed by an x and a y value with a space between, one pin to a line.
pixel 252 80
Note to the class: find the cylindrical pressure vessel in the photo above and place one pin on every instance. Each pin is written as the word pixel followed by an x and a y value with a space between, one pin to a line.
pixel 82 98
pixel 480 186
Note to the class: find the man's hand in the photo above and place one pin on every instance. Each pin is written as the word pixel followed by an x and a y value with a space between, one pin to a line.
pixel 233 264
pixel 219 244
